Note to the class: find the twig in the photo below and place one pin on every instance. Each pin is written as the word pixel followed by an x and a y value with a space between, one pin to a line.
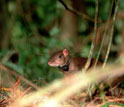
pixel 94 37
pixel 2 94
pixel 111 35
pixel 6 101
pixel 3 67
pixel 26 91
pixel 104 35
pixel 15 85
pixel 76 12
pixel 112 100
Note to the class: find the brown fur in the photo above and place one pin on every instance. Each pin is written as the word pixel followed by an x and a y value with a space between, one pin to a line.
pixel 76 63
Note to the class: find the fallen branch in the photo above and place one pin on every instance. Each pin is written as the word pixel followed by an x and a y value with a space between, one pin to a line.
pixel 3 67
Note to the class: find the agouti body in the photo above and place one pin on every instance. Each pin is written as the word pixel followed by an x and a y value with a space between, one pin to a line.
pixel 67 64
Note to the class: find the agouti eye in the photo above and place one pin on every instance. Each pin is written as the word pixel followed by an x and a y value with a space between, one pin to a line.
pixel 60 56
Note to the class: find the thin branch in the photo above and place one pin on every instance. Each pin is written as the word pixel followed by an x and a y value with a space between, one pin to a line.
pixel 104 35
pixel 112 100
pixel 76 12
pixel 4 95
pixel 3 67
pixel 94 37
pixel 111 34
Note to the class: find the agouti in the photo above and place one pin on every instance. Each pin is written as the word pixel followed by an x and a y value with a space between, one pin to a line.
pixel 67 64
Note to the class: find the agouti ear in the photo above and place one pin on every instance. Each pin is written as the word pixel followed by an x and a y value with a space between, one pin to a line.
pixel 65 52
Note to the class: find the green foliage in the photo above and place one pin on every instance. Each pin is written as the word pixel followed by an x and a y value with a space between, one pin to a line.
pixel 121 4
pixel 34 52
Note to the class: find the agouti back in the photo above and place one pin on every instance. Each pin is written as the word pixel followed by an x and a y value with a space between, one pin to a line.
pixel 68 64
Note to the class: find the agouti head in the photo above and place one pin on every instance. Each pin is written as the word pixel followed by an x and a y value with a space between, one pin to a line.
pixel 59 58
